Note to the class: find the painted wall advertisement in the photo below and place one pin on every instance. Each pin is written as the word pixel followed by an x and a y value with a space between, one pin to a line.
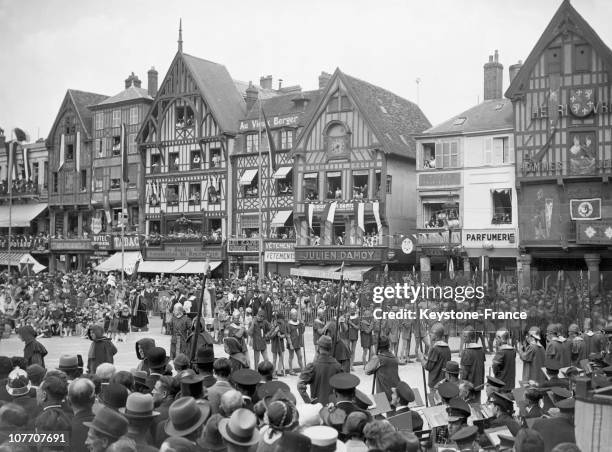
pixel 279 252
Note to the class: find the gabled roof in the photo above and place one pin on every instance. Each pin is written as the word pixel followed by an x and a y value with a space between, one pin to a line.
pixel 128 94
pixel 285 104
pixel 394 119
pixel 219 91
pixel 565 19
pixel 81 100
pixel 494 114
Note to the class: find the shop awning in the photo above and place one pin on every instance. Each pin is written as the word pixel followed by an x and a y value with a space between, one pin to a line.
pixel 280 218
pixel 113 263
pixel 16 259
pixel 355 273
pixel 160 266
pixel 317 271
pixel 282 172
pixel 196 267
pixel 21 214
pixel 248 176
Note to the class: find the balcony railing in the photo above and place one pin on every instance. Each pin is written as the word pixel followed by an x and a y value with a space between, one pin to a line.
pixel 438 237
pixel 22 189
pixel 211 238
pixel 172 167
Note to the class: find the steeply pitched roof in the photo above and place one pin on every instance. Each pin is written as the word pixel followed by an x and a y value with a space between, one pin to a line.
pixel 565 19
pixel 131 93
pixel 494 114
pixel 395 120
pixel 284 104
pixel 219 90
pixel 81 101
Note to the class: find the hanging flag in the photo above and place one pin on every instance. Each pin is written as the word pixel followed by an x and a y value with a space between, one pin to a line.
pixel 107 209
pixel 62 155
pixel 20 135
pixel 332 212
pixel 310 213
pixel 271 145
pixel 26 162
pixel 359 208
pixel 11 148
pixel 325 213
pixel 376 210
pixel 124 154
pixel 78 151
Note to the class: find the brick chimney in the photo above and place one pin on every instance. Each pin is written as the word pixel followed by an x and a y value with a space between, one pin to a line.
pixel 251 96
pixel 266 82
pixel 324 79
pixel 493 78
pixel 514 69
pixel 132 80
pixel 152 82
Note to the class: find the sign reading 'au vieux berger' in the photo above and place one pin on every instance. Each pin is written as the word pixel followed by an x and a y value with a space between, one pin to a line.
pixel 274 121
pixel 346 254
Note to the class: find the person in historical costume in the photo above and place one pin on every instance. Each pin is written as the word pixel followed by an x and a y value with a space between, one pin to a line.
pixel 180 327
pixel 473 361
pixel 384 366
pixel 140 319
pixel 504 361
pixel 295 340
pixel 101 349
pixel 258 330
pixel 533 356
pixel 276 336
pixel 33 351
pixel 366 326
pixel 238 359
pixel 143 346
pixel 124 323
pixel 353 330
pixel 318 374
pixel 438 356
pixel 205 339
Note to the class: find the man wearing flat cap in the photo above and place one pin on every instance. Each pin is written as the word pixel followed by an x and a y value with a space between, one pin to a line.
pixel 503 408
pixel 318 374
pixel 401 396
pixel 344 386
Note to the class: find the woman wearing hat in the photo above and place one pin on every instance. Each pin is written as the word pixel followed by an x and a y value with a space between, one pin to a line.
pixel 281 416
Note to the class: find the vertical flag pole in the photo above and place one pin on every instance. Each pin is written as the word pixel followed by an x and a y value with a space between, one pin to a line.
pixel 11 162
pixel 123 188
pixel 259 190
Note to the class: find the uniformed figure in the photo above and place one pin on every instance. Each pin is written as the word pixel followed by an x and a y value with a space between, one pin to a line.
pixel 393 331
pixel 494 384
pixel 180 327
pixel 344 385
pixel 504 361
pixel 340 349
pixel 406 338
pixel 295 340
pixel 577 348
pixel 594 341
pixel 384 366
pixel 473 362
pixel 552 370
pixel 446 392
pixel 558 429
pixel 401 396
pixel 318 374
pixel 503 408
pixel 533 356
pixel 465 439
pixel 438 356
pixel 458 412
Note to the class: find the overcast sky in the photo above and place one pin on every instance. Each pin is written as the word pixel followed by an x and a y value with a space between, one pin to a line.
pixel 48 46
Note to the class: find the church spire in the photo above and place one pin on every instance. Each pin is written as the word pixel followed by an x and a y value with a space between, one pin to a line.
pixel 180 39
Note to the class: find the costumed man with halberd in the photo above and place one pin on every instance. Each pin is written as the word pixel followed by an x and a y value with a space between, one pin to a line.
pixel 258 330
pixel 439 354
pixel 180 327
pixel 318 374
pixel 504 361
pixel 473 361
pixel 295 340
pixel 384 366
pixel 140 320
pixel 341 350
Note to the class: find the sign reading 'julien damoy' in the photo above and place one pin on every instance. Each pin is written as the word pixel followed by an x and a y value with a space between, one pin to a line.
pixel 340 254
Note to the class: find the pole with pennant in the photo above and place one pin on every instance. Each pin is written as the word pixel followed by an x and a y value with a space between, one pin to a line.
pixel 339 305
pixel 196 333
pixel 259 190
pixel 124 183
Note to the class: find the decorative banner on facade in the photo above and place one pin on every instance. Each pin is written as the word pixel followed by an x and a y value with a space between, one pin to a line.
pixel 594 233
pixel 310 212
pixel 77 151
pixel 26 163
pixel 359 214
pixel 332 212
pixel 376 210
pixel 62 154
pixel 585 209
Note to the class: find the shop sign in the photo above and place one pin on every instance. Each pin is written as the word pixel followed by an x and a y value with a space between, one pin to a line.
pixel 242 245
pixel 341 254
pixel 489 238
pixel 70 244
pixel 130 242
pixel 594 233
pixel 183 251
pixel 341 207
pixel 279 252
pixel 102 242
pixel 274 121
pixel 439 179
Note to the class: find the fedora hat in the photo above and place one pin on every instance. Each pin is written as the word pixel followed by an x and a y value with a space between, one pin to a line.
pixel 205 356
pixel 68 362
pixel 114 395
pixel 211 439
pixel 157 357
pixel 108 422
pixel 139 406
pixel 240 428
pixel 185 416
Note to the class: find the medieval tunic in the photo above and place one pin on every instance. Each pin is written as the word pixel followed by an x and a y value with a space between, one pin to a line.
pixel 139 312
pixel 385 366
pixel 366 327
pixel 257 331
pixel 533 357
pixel 504 365
pixel 473 364
pixel 180 327
pixel 438 356
pixel 295 338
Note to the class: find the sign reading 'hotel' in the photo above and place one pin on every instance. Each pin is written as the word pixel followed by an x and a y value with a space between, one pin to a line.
pixel 352 255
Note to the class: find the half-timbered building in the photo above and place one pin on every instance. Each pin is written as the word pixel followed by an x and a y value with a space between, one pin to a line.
pixel 563 142
pixel 70 147
pixel 286 111
pixel 354 182
pixel 127 108
pixel 185 141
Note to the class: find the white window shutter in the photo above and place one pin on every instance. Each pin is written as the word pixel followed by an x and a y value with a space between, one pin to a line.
pixel 487 151
pixel 498 151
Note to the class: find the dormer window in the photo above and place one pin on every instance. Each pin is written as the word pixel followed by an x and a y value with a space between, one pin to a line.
pixel 459 121
pixel 184 117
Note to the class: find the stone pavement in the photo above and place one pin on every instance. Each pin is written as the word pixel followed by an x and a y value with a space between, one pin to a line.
pixel 125 359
